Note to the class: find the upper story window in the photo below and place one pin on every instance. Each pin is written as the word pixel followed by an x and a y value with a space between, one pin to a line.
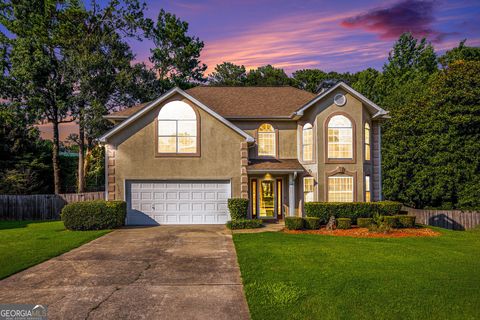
pixel 340 138
pixel 266 140
pixel 177 129
pixel 367 142
pixel 307 142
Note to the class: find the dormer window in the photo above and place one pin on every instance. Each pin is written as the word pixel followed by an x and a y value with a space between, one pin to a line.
pixel 177 130
pixel 266 141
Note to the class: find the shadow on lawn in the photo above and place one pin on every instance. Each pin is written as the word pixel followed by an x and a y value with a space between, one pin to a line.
pixel 8 224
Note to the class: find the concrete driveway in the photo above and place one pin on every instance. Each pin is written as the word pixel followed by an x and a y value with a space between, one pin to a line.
pixel 166 272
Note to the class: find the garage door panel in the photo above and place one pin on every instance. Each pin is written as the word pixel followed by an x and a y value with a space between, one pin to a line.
pixel 177 202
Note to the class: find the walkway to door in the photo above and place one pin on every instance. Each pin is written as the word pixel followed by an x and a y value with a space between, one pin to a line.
pixel 166 272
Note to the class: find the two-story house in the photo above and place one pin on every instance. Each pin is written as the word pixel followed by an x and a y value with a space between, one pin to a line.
pixel 177 160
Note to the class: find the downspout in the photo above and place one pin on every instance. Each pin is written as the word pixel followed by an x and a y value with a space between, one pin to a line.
pixel 380 195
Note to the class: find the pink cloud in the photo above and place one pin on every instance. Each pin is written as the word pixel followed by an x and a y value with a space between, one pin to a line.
pixel 413 16
pixel 296 42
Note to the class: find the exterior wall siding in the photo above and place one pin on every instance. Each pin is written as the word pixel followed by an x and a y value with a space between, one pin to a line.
pixel 222 155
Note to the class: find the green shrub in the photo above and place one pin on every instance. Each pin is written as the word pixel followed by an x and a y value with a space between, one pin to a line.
pixel 238 208
pixel 344 223
pixel 406 221
pixel 294 223
pixel 244 224
pixel 391 221
pixel 94 215
pixel 364 222
pixel 388 208
pixel 352 210
pixel 312 223
pixel 382 227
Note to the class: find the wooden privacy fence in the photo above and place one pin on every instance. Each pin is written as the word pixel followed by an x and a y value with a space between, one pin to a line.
pixel 448 219
pixel 40 206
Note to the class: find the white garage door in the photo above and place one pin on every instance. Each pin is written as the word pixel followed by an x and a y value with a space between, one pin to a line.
pixel 177 202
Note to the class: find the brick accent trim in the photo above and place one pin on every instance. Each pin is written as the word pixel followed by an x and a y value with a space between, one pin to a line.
pixel 243 169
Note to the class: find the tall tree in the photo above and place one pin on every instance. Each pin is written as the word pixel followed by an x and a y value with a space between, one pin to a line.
pixel 267 76
pixel 37 64
pixel 176 55
pixel 462 52
pixel 96 56
pixel 228 74
pixel 314 80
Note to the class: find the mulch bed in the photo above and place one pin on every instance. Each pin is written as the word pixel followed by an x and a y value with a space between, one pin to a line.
pixel 364 233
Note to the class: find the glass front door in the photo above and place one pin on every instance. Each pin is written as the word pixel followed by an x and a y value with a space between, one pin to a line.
pixel 267 199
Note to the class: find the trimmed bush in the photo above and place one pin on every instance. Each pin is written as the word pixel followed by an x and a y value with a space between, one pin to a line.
pixel 312 223
pixel 406 221
pixel 344 223
pixel 352 210
pixel 391 221
pixel 244 224
pixel 388 208
pixel 294 223
pixel 238 208
pixel 364 222
pixel 94 215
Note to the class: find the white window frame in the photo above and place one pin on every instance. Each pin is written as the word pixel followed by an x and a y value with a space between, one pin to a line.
pixel 310 194
pixel 269 136
pixel 368 189
pixel 307 128
pixel 368 144
pixel 339 132
pixel 343 180
pixel 178 120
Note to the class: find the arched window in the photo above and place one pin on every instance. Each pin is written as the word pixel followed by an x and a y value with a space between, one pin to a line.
pixel 307 142
pixel 367 142
pixel 177 129
pixel 340 188
pixel 266 140
pixel 340 138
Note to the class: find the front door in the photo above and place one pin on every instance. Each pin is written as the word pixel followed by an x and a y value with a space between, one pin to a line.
pixel 267 199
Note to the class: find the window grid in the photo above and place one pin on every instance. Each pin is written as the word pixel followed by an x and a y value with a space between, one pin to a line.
pixel 178 142
pixel 340 188
pixel 340 138
pixel 308 186
pixel 367 142
pixel 368 195
pixel 254 198
pixel 307 142
pixel 266 141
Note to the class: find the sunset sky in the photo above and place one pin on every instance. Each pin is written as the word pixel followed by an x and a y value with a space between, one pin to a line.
pixel 336 35
pixel 330 35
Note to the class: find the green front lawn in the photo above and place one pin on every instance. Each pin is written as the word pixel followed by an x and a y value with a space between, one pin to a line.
pixel 291 276
pixel 26 243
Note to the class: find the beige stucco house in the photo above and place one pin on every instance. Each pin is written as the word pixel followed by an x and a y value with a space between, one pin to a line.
pixel 177 160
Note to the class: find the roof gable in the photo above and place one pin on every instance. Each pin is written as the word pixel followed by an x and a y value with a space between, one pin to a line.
pixel 376 110
pixel 149 106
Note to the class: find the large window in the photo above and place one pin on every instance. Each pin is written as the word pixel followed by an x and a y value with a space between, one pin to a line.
pixel 340 138
pixel 266 140
pixel 367 142
pixel 307 142
pixel 368 194
pixel 177 129
pixel 308 184
pixel 340 188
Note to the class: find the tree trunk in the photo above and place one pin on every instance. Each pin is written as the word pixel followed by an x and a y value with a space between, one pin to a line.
pixel 81 159
pixel 55 157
